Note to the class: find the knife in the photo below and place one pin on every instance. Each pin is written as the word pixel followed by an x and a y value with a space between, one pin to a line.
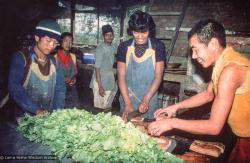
pixel 182 144
pixel 163 116
pixel 133 114
pixel 149 120
pixel 131 93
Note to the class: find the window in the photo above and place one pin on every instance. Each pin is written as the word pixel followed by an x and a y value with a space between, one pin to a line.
pixel 86 29
pixel 64 24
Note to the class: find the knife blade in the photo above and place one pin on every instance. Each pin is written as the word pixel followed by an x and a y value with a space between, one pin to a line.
pixel 133 114
pixel 131 93
pixel 149 120
pixel 183 144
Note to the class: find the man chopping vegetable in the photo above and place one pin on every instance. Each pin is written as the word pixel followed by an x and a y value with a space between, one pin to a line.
pixel 140 65
pixel 229 89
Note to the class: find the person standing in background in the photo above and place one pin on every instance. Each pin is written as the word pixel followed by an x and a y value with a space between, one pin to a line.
pixel 140 65
pixel 42 89
pixel 69 65
pixel 103 81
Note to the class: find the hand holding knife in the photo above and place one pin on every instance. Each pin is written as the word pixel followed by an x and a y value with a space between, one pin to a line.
pixel 143 106
pixel 128 115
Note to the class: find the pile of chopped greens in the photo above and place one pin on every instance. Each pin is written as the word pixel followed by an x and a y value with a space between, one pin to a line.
pixel 85 137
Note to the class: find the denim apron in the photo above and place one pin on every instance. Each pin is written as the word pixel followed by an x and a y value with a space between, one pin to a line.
pixel 140 72
pixel 39 87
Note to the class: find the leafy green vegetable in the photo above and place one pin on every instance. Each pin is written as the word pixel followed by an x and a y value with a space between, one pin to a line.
pixel 85 137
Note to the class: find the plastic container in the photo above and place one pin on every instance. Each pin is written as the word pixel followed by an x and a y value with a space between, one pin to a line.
pixel 88 58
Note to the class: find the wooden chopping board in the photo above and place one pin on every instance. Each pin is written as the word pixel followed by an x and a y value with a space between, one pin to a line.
pixel 214 149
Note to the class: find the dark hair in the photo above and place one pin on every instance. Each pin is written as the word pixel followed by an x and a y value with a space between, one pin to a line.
pixel 65 34
pixel 106 29
pixel 206 29
pixel 141 22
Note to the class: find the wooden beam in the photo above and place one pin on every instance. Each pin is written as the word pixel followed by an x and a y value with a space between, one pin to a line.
pixel 164 13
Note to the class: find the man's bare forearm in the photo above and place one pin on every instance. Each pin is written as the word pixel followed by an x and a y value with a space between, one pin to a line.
pixel 198 99
pixel 98 76
pixel 156 82
pixel 121 69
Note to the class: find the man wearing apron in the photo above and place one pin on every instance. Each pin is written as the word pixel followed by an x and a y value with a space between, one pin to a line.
pixel 69 66
pixel 140 65
pixel 43 88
